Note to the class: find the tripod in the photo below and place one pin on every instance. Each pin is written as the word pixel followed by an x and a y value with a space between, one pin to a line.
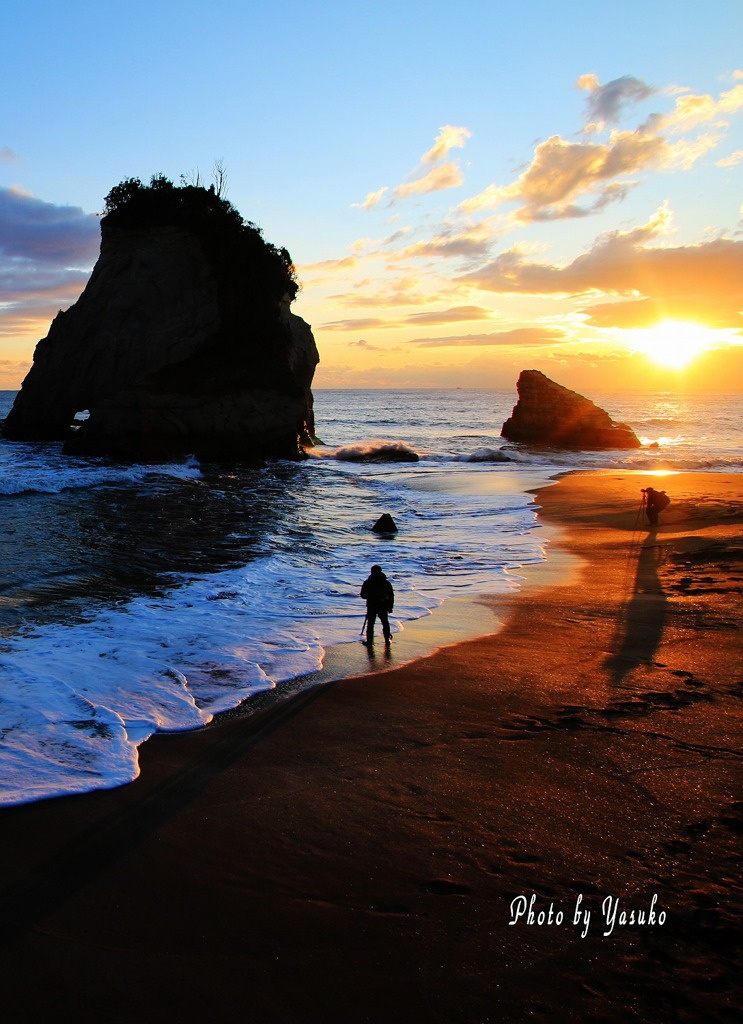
pixel 640 510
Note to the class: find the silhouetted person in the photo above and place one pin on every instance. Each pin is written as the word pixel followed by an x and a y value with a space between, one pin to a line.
pixel 380 600
pixel 655 502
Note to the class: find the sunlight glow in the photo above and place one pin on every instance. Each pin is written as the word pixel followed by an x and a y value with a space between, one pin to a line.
pixel 674 343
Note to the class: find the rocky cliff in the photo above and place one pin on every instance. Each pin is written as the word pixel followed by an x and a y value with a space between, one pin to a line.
pixel 182 342
pixel 549 414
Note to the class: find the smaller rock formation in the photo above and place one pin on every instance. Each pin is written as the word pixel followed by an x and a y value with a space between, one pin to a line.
pixel 385 524
pixel 549 414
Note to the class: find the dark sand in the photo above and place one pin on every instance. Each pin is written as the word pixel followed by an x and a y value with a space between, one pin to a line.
pixel 352 854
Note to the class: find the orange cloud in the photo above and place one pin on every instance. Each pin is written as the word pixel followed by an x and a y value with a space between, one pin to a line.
pixel 562 172
pixel 12 371
pixel 693 281
pixel 468 242
pixel 439 178
pixel 692 110
pixel 329 268
pixel 456 314
pixel 363 323
pixel 520 336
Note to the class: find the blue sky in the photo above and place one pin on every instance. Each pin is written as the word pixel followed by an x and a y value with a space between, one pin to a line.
pixel 316 108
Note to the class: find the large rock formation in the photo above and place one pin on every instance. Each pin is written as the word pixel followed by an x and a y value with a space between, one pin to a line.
pixel 182 341
pixel 549 414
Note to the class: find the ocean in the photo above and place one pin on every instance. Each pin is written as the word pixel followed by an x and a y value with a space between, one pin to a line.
pixel 136 599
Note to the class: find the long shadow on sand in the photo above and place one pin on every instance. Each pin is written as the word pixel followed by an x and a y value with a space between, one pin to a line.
pixel 28 900
pixel 642 616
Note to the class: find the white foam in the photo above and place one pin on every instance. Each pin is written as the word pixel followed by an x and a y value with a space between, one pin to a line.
pixel 42 469
pixel 375 449
pixel 486 455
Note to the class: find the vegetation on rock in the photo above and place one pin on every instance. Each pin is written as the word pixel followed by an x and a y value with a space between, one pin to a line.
pixel 213 219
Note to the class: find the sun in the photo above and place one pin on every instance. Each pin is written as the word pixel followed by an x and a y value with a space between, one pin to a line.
pixel 674 343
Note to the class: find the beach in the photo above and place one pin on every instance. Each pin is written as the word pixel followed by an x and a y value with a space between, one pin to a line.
pixel 545 817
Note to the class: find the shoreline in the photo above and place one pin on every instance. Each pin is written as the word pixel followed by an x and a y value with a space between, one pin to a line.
pixel 456 620
pixel 355 853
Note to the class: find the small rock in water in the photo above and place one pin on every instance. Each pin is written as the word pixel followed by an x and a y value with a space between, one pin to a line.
pixel 385 524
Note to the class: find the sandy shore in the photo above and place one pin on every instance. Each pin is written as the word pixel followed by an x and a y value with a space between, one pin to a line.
pixel 359 852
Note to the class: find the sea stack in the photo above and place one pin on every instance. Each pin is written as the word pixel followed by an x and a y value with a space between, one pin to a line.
pixel 181 343
pixel 549 414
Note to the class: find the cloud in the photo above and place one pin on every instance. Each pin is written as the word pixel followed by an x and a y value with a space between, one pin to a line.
pixel 732 160
pixel 359 324
pixel 568 179
pixel 7 154
pixel 561 172
pixel 365 345
pixel 21 281
pixel 45 253
pixel 12 367
pixel 685 153
pixel 522 337
pixel 403 291
pixel 12 371
pixel 456 314
pixel 438 178
pixel 628 314
pixel 449 138
pixel 607 102
pixel 329 268
pixel 372 199
pixel 447 175
pixel 31 229
pixel 694 109
pixel 692 281
pixel 469 242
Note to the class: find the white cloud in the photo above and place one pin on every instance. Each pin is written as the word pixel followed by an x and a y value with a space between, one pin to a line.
pixel 732 160
pixel 427 179
pixel 371 200
pixel 449 137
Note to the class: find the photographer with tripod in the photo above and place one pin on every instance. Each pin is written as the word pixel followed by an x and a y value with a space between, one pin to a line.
pixel 654 502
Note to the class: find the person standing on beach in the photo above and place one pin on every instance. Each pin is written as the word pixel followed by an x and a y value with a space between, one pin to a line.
pixel 380 600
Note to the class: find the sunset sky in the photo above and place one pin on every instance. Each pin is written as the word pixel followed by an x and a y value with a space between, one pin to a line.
pixel 467 189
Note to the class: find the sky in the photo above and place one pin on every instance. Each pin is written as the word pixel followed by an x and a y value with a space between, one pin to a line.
pixel 467 189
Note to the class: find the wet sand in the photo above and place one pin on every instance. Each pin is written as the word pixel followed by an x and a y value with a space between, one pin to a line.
pixel 359 852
